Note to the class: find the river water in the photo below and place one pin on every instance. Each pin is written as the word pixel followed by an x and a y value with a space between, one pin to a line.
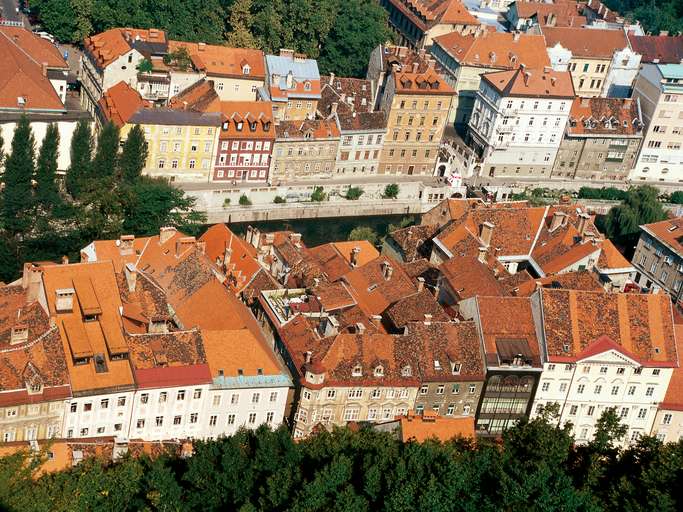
pixel 320 231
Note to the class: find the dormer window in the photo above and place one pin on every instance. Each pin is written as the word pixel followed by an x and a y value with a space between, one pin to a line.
pixel 357 371
pixel 252 126
pixel 266 126
pixel 406 371
pixel 239 126
pixel 437 364
pixel 379 371
pixel 307 86
pixel 246 69
pixel 226 124
pixel 307 135
pixel 455 368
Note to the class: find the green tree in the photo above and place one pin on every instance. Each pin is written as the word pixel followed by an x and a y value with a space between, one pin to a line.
pixel 151 203
pixel 360 25
pixel 106 155
pixel 641 206
pixel 145 66
pixel 676 197
pixel 363 233
pixel 354 193
pixel 241 22
pixel 318 194
pixel 133 155
pixel 47 194
pixel 391 191
pixel 17 194
pixel 81 159
pixel 279 200
pixel 244 200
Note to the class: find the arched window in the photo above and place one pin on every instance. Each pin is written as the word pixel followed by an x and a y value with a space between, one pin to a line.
pixel 357 371
pixel 406 371
pixel 379 371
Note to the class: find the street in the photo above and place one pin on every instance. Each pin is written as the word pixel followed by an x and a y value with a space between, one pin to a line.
pixel 9 10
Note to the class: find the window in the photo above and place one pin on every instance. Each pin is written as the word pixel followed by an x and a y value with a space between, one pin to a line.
pixel 331 394
pixel 603 369
pixel 255 397
pixel 655 371
pixel 376 394
pixel 192 164
pixel 73 408
pixel 666 419
pixel 181 395
pixel 351 413
pixel 121 401
pixel 159 420
pixel 269 417
pixel 615 390
pixel 598 389
pixel 580 389
pixel 545 386
pixel 273 396
pixel 456 389
pixel 104 403
pixel 212 420
pixel 642 413
pixel 439 389
pixel 306 394
pixel 144 398
pixel 563 387
pixel 162 397
pixel 472 388
pixel 161 163
pixel 624 413
pixel 84 431
pixel 650 391
pixel 573 409
pixel 424 389
pixel 231 419
pixel 620 371
pixel 194 417
pixel 631 390
pixel 355 393
pixel 590 411
pixel 197 394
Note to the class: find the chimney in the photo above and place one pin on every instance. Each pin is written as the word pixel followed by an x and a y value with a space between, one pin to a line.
pixel 421 53
pixel 663 33
pixel 420 284
pixel 131 276
pixel 360 328
pixel 31 281
pixel 515 36
pixel 552 20
pixel 377 320
pixel 585 102
pixel 483 251
pixel 166 233
pixel 309 356
pixel 527 75
pixel 43 68
pixel 64 300
pixel 387 270
pixel 290 79
pixel 295 238
pixel 201 245
pixel 428 319
pixel 65 260
pixel 583 221
pixel 416 66
pixel 354 256
pixel 183 244
pixel 126 244
pixel 201 47
pixel 557 220
pixel 286 52
pixel 333 110
pixel 331 327
pixel 486 232
pixel 227 255
pixel 19 334
pixel 331 78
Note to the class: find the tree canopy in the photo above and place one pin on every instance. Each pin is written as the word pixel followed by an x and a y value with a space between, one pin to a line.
pixel 536 467
pixel 654 15
pixel 340 34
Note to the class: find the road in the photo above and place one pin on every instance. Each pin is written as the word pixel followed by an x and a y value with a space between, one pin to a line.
pixel 9 11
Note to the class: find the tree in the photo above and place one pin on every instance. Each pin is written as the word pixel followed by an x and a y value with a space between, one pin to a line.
pixel 145 66
pixel 279 200
pixel 354 193
pixel 46 169
pixel 359 26
pixel 391 191
pixel 244 200
pixel 180 58
pixel 151 203
pixel 17 195
pixel 106 155
pixel 134 155
pixel 363 233
pixel 241 22
pixel 318 194
pixel 676 197
pixel 81 159
pixel 641 206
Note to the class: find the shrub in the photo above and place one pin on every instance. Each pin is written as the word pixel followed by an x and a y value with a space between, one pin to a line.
pixel 318 194
pixel 279 200
pixel 226 202
pixel 354 193
pixel 244 200
pixel 391 191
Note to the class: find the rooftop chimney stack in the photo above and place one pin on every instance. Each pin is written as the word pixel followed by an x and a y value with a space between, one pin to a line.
pixel 131 276
pixel 428 319
pixel 583 223
pixel 486 232
pixel 360 328
pixel 482 254
pixel 354 256
pixel 558 220
pixel 309 356
pixel 420 283
pixel 387 270
pixel 166 233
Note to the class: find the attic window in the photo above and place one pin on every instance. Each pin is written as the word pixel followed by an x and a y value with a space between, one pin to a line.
pixel 100 364
pixel 240 371
pixel 357 371
pixel 455 368
pixel 437 364
pixel 239 126
pixel 565 347
pixel 307 135
pixel 406 371
pixel 34 387
pixel 246 69
pixel 672 228
pixel 379 371
pixel 225 125
pixel 372 287
pixel 259 371
pixel 307 86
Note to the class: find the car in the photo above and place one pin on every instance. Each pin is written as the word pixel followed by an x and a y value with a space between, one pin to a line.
pixel 46 36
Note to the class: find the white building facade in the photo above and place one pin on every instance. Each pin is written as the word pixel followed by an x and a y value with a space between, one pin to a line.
pixel 101 414
pixel 660 90
pixel 517 123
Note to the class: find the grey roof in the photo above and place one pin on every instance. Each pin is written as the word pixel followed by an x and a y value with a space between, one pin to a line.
pixel 302 69
pixel 175 117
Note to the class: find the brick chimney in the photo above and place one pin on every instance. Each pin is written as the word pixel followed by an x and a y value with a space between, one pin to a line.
pixel 354 256
pixel 387 270
pixel 486 232
pixel 166 233
pixel 583 223
pixel 420 284
pixel 131 276
pixel 360 328
pixel 481 257
pixel 559 219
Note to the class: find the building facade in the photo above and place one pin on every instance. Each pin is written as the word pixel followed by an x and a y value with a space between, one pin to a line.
pixel 519 120
pixel 416 102
pixel 601 141
pixel 658 259
pixel 304 150
pixel 245 142
pixel 659 87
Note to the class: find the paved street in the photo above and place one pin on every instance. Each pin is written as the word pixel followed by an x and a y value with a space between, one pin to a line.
pixel 9 10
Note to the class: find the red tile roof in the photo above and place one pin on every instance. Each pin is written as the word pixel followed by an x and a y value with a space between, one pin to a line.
pixel 429 13
pixel 429 425
pixel 199 97
pixel 641 324
pixel 498 50
pixel 589 43
pixel 109 45
pixel 604 116
pixel 216 60
pixel 120 102
pixel 534 83
pixel 256 113
pixel 673 400
pixel 308 129
pixel 669 232
pixel 23 81
pixel 659 49
pixel 414 308
pixel 38 49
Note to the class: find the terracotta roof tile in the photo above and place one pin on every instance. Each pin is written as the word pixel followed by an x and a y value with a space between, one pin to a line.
pixel 467 277
pixel 216 60
pixel 586 42
pixel 307 129
pixel 658 49
pixel 109 45
pixel 605 116
pixel 428 13
pixel 641 324
pixel 229 351
pixel 668 231
pixel 413 308
pixel 256 114
pixel 200 97
pixel 39 49
pixel 532 82
pixel 673 400
pixel 582 280
pixel 498 50
pixel 120 102
pixel 611 258
pixel 429 425
pixel 412 240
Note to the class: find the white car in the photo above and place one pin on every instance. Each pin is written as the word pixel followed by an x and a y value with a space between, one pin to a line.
pixel 47 36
